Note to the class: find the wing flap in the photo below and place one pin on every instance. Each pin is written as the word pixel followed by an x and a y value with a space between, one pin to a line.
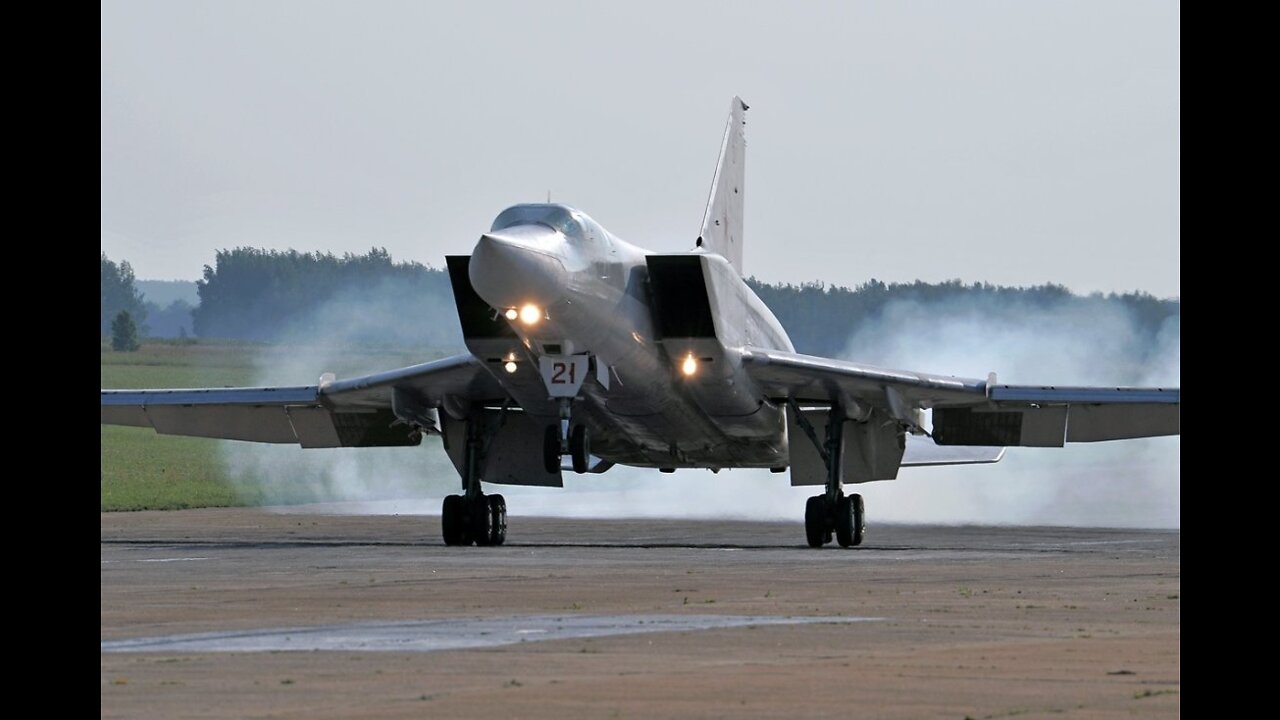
pixel 256 414
pixel 269 424
pixel 1093 423
pixel 267 415
pixel 1016 426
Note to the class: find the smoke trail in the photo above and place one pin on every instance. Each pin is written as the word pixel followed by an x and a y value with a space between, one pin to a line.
pixel 1131 483
pixel 360 330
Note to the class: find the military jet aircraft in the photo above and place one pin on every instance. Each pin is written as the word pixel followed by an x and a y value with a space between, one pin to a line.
pixel 586 352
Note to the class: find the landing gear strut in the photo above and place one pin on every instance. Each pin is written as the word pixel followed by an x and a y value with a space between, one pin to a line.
pixel 474 517
pixel 833 511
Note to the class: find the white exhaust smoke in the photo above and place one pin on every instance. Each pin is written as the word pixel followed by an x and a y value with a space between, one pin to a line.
pixel 1133 483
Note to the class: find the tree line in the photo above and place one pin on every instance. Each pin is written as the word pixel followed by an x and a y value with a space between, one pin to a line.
pixel 276 296
pixel 820 319
pixel 120 295
pixel 150 319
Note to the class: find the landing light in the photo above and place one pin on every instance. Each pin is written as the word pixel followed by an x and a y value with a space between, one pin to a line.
pixel 689 366
pixel 530 314
pixel 512 313
pixel 510 366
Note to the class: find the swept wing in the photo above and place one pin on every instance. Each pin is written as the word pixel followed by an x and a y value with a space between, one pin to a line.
pixel 966 411
pixel 384 409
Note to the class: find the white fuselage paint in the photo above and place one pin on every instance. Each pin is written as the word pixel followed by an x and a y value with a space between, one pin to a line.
pixel 594 290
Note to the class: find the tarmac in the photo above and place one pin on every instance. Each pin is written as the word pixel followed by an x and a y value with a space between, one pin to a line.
pixel 253 613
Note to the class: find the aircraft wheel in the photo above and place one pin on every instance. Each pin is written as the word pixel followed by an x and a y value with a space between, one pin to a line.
pixel 453 521
pixel 498 520
pixel 551 449
pixel 480 520
pixel 845 522
pixel 815 521
pixel 580 448
pixel 859 513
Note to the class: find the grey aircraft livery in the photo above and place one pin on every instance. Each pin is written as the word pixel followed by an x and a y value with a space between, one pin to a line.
pixel 586 352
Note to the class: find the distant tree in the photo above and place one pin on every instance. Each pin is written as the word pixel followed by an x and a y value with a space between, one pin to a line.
pixel 172 320
pixel 124 333
pixel 119 294
pixel 271 295
pixel 820 319
pixel 370 299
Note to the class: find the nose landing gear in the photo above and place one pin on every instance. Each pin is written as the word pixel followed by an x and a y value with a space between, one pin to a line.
pixel 561 440
pixel 563 376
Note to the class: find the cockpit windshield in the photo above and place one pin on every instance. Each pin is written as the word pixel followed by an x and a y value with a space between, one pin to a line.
pixel 575 225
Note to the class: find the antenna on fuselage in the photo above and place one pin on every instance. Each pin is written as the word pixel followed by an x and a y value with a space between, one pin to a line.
pixel 548 197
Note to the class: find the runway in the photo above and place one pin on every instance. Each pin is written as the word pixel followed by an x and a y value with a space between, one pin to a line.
pixel 312 615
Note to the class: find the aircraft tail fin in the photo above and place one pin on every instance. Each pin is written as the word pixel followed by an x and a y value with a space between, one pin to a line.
pixel 722 222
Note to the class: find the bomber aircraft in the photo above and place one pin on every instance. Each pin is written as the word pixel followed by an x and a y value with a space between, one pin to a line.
pixel 586 352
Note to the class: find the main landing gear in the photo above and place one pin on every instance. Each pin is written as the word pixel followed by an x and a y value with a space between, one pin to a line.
pixel 566 439
pixel 833 511
pixel 474 517
pixel 481 520
pixel 846 517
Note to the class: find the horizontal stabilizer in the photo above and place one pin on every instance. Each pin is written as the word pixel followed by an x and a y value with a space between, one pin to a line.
pixel 922 451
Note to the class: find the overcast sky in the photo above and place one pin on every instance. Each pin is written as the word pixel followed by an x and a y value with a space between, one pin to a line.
pixel 1008 142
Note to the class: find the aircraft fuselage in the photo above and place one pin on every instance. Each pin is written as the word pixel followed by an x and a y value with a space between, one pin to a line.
pixel 669 401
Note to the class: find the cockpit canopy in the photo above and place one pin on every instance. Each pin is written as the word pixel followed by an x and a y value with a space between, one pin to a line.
pixel 576 226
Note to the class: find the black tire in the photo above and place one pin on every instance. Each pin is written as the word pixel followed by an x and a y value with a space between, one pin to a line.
pixel 551 449
pixel 815 521
pixel 453 521
pixel 498 520
pixel 859 513
pixel 480 520
pixel 580 448
pixel 844 521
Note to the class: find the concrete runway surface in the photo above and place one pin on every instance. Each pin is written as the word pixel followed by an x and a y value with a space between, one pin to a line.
pixel 249 613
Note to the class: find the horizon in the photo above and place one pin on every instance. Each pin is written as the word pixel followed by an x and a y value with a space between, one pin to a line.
pixel 824 285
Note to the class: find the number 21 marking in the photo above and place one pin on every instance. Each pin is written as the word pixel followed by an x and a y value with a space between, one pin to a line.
pixel 558 372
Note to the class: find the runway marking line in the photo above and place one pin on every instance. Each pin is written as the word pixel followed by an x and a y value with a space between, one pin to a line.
pixel 449 634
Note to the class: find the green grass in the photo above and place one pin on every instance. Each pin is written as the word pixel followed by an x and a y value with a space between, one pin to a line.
pixel 145 471
pixel 160 366
pixel 142 470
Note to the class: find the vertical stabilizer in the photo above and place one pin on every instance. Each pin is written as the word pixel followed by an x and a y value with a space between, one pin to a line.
pixel 722 221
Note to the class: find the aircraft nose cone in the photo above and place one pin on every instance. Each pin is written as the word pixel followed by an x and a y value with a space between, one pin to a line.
pixel 518 265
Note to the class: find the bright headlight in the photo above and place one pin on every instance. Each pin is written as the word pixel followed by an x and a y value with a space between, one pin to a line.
pixel 690 365
pixel 530 314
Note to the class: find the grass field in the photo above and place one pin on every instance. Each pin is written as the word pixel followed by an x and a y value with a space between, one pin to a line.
pixel 142 470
